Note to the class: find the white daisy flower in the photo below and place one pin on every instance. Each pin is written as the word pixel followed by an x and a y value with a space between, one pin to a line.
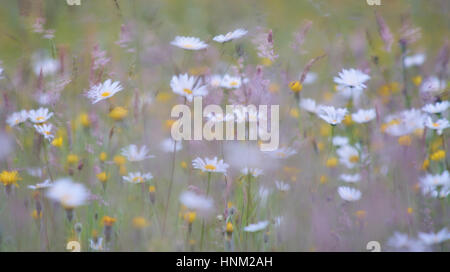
pixel 210 165
pixel 168 145
pixel 282 186
pixel 308 105
pixel 104 90
pixel 399 240
pixel 433 85
pixel 434 238
pixel 340 140
pixel 281 153
pixel 137 177
pixel 238 33
pixel 351 82
pixel 331 115
pixel 17 118
pixel 187 86
pixel 348 155
pixel 197 202
pixel 215 80
pixel 134 154
pixel 230 82
pixel 220 117
pixel 438 125
pixel 40 115
pixel 364 116
pixel 438 107
pixel 414 60
pixel 349 194
pixel 68 193
pixel 189 43
pixel 47 183
pixel 48 66
pixel 255 172
pixel 350 178
pixel 437 186
pixel 45 130
pixel 257 226
pixel 34 172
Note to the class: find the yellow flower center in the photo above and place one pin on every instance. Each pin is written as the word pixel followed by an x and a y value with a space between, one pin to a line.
pixel 188 45
pixel 435 125
pixel 188 91
pixel 233 83
pixel 105 94
pixel 210 167
pixel 40 118
pixel 138 179
pixel 354 158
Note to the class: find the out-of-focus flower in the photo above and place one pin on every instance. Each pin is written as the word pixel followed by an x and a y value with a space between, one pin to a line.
pixel 331 115
pixel 296 86
pixel 47 66
pixel 137 177
pixel 189 43
pixel 168 145
pixel 349 194
pixel 230 82
pixel 118 113
pixel 210 165
pixel 438 125
pixel 45 130
pixel 96 243
pixel 40 115
pixel 340 140
pixel 68 193
pixel 282 186
pixel 433 85
pixel 438 107
pixel 350 178
pixel 57 142
pixel 308 105
pixel 414 60
pixel 351 82
pixel 197 202
pixel 281 153
pixel 364 116
pixel 257 226
pixel 47 183
pixel 434 238
pixel 72 159
pixel 17 118
pixel 9 178
pixel 140 222
pixel 236 34
pixel 187 86
pixel 348 155
pixel 437 185
pixel 255 172
pixel 103 90
pixel 134 154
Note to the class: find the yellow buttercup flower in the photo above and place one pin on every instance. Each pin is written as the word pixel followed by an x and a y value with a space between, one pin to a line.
pixel 295 86
pixel 294 113
pixel 323 179
pixel 36 215
pixel 190 217
pixel 84 119
pixel 102 177
pixel 72 159
pixel 9 178
pixel 417 80
pixel 119 160
pixel 438 155
pixel 118 113
pixel 103 156
pixel 151 189
pixel 425 164
pixel 347 120
pixel 229 228
pixel 57 142
pixel 332 162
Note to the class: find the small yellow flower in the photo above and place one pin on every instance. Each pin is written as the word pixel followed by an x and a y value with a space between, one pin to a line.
pixel 57 142
pixel 119 160
pixel 168 123
pixel 84 120
pixel 184 164
pixel 295 86
pixel 347 120
pixel 425 164
pixel 122 170
pixel 266 61
pixel 361 214
pixel 72 159
pixel 9 178
pixel 323 179
pixel 103 156
pixel 394 86
pixel 320 146
pixel 436 144
pixel 102 177
pixel 410 210
pixel 332 162
pixel 151 189
pixel 294 113
pixel 229 227
pixel 404 140
pixel 163 96
pixel 108 221
pixel 190 217
pixel 36 215
pixel 325 129
pixel 140 222
pixel 438 155
pixel 417 80
pixel 118 113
